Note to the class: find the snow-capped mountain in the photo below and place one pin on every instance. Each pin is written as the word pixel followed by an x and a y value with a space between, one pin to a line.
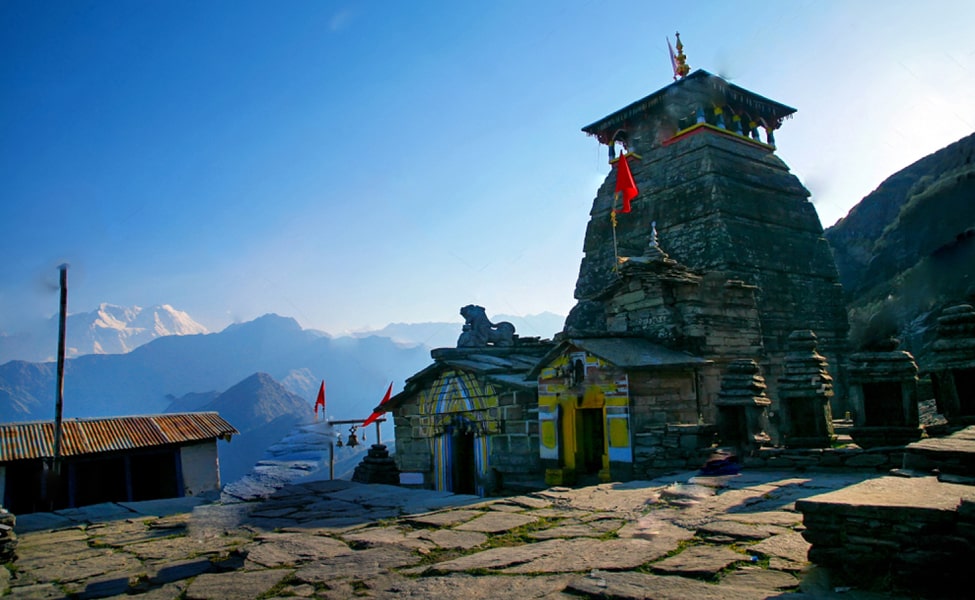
pixel 118 329
pixel 110 329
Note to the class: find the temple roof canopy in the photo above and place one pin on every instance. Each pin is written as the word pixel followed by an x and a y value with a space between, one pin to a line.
pixel 699 90
pixel 626 352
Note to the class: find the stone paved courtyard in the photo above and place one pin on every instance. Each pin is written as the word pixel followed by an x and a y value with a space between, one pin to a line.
pixel 682 537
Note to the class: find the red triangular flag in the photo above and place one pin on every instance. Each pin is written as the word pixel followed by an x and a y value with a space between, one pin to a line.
pixel 321 399
pixel 625 183
pixel 378 413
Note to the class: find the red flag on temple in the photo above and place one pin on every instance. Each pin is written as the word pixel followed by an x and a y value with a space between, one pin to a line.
pixel 378 413
pixel 625 183
pixel 321 399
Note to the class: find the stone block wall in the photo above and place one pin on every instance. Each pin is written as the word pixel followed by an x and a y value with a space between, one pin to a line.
pixel 512 427
pixel 514 449
pixel 914 534
pixel 875 460
pixel 659 398
pixel 671 447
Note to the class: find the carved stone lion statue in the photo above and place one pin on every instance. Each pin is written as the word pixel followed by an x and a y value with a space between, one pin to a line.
pixel 480 331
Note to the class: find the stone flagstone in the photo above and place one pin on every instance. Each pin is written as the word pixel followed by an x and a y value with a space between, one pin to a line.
pixel 790 546
pixel 780 518
pixel 567 531
pixel 762 579
pixel 740 531
pixel 447 538
pixel 584 555
pixel 699 561
pixel 640 586
pixel 559 556
pixel 235 585
pixel 444 519
pixel 459 586
pixel 375 536
pixel 496 522
pixel 357 566
pixel 290 549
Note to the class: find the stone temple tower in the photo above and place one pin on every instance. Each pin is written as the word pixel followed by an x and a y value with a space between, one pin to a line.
pixel 702 154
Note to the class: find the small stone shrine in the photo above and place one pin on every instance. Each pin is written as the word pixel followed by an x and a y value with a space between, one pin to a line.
pixel 742 406
pixel 804 393
pixel 467 423
pixel 883 396
pixel 953 368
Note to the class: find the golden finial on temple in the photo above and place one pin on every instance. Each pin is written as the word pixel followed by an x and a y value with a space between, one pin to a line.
pixel 681 69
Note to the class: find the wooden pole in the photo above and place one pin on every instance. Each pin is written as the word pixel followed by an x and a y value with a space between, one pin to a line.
pixel 59 405
pixel 331 461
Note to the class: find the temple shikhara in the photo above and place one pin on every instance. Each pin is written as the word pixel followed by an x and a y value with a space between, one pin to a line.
pixel 709 326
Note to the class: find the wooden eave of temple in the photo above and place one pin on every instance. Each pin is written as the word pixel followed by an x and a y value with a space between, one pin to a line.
pixel 680 106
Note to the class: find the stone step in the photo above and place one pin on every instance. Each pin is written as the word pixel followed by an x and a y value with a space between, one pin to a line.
pixel 953 454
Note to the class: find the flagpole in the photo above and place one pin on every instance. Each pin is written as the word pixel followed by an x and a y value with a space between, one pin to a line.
pixel 612 216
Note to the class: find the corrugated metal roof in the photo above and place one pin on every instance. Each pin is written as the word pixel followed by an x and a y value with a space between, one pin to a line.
pixel 21 441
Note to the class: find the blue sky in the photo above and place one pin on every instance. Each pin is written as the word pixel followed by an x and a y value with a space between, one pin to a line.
pixel 352 164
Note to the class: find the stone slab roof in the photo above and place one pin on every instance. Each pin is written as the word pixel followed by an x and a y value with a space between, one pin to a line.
pixel 509 367
pixel 625 352
pixel 698 82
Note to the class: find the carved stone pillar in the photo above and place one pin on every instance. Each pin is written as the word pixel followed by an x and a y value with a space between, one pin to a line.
pixel 742 405
pixel 804 393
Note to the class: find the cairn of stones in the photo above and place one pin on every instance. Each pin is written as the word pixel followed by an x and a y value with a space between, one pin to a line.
pixel 377 467
pixel 883 396
pixel 953 369
pixel 804 392
pixel 742 404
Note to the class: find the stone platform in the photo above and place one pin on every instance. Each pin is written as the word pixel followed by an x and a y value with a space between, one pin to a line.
pixel 915 533
pixel 731 537
pixel 950 455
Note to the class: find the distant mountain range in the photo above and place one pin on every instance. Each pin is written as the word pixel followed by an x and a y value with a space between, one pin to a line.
pixel 445 334
pixel 190 370
pixel 113 329
pixel 109 329
pixel 908 249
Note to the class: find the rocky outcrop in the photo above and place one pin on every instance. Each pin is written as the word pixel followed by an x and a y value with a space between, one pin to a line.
pixel 8 539
pixel 907 249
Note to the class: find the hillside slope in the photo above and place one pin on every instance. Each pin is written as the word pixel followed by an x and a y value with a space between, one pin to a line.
pixel 908 248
